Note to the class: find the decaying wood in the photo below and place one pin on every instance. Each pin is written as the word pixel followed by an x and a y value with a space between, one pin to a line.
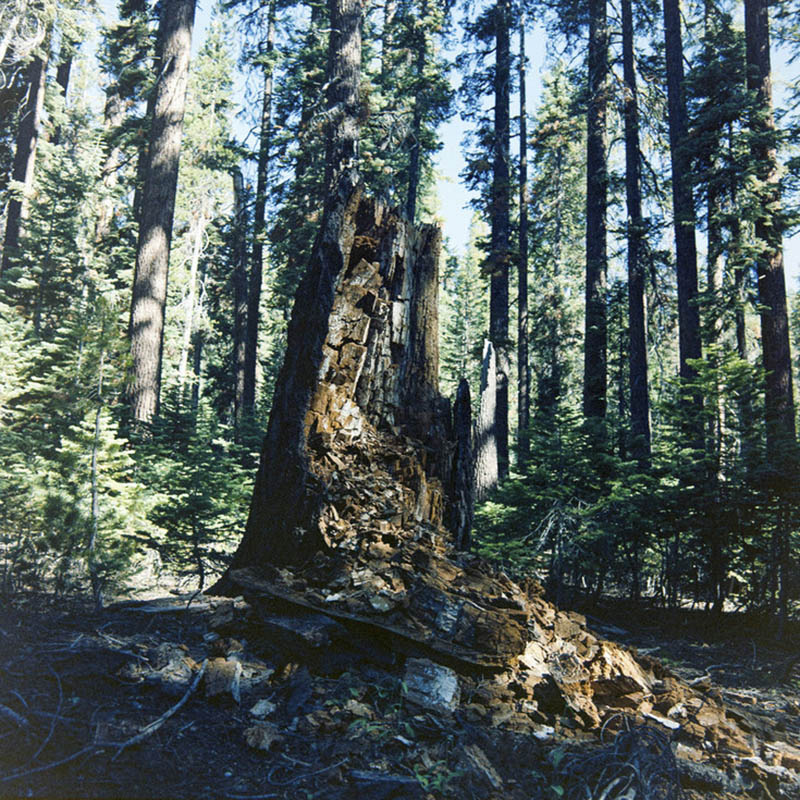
pixel 362 501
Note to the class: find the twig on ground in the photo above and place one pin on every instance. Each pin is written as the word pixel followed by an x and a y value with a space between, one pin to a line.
pixel 12 715
pixel 304 777
pixel 156 724
pixel 83 751
pixel 52 722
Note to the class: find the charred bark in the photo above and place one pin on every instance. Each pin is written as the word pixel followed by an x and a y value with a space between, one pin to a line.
pixel 463 479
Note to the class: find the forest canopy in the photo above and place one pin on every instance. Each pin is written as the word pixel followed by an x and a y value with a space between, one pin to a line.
pixel 163 174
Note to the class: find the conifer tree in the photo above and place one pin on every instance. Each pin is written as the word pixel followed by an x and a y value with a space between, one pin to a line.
pixel 158 204
pixel 683 214
pixel 637 321
pixel 595 338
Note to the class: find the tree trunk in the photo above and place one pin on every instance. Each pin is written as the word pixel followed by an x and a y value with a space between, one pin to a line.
pixel 198 234
pixel 769 234
pixel 637 314
pixel 595 347
pixel 283 524
pixel 486 469
pixel 25 157
pixel 500 255
pixel 769 227
pixel 239 282
pixel 113 115
pixel 463 480
pixel 683 212
pixel 62 78
pixel 248 397
pixel 415 153
pixel 158 207
pixel 523 361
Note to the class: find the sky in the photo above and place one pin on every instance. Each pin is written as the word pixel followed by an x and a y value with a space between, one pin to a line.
pixel 454 208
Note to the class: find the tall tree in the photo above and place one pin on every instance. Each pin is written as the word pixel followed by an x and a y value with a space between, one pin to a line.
pixel 158 206
pixel 500 250
pixel 595 343
pixel 248 399
pixel 25 157
pixel 523 362
pixel 769 229
pixel 769 226
pixel 682 203
pixel 637 321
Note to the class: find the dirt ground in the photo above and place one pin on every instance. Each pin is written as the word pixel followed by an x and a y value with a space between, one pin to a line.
pixel 78 690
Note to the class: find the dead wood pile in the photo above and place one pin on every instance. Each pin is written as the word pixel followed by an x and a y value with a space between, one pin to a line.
pixel 387 580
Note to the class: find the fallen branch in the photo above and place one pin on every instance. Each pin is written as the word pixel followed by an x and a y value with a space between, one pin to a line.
pixel 303 777
pixel 150 729
pixel 83 751
pixel 12 715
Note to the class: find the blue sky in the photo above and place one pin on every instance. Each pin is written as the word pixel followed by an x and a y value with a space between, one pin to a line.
pixel 455 211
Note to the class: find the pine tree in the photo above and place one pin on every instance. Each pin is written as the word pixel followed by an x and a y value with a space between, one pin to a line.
pixel 595 338
pixel 158 202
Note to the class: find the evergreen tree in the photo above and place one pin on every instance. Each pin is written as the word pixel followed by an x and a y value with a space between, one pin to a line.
pixel 158 203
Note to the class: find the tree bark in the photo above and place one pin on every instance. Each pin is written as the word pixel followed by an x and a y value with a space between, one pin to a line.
pixel 248 397
pixel 25 157
pixel 201 220
pixel 779 403
pixel 283 523
pixel 486 468
pixel 158 208
pixel 463 479
pixel 62 78
pixel 595 343
pixel 637 313
pixel 769 226
pixel 415 152
pixel 239 281
pixel 500 230
pixel 683 211
pixel 523 361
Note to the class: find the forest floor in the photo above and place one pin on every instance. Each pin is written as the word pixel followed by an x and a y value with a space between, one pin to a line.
pixel 79 689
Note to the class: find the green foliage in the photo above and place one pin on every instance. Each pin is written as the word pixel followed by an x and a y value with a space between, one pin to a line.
pixel 200 491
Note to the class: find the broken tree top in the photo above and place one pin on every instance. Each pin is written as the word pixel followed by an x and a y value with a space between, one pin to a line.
pixel 361 484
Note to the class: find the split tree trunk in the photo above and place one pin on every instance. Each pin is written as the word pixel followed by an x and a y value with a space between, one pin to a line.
pixel 158 208
pixel 595 343
pixel 25 157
